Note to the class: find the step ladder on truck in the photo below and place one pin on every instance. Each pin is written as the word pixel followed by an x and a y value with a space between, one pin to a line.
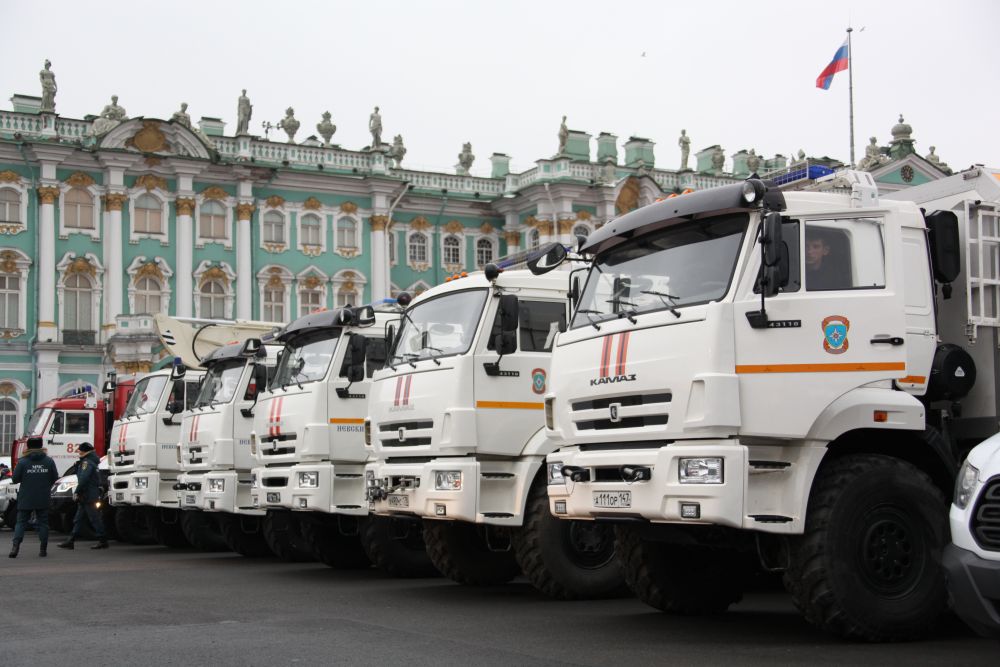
pixel 783 377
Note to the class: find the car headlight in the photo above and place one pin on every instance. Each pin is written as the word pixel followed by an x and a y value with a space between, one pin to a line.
pixel 965 485
pixel 142 482
pixel 217 485
pixel 309 480
pixel 550 419
pixel 447 480
pixel 553 471
pixel 68 485
pixel 702 470
pixel 253 481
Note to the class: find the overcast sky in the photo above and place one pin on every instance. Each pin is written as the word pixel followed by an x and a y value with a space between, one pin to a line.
pixel 501 74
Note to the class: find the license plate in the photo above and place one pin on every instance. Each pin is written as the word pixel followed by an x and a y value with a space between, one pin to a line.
pixel 274 497
pixel 189 499
pixel 120 496
pixel 399 500
pixel 612 499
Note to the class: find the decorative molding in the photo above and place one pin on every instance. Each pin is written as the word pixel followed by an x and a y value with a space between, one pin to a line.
pixel 453 268
pixel 185 205
pixel 312 204
pixel 512 238
pixel 8 176
pixel 349 207
pixel 150 139
pixel 79 179
pixel 214 273
pixel 454 227
pixel 310 250
pixel 379 222
pixel 11 229
pixel 149 270
pixel 153 161
pixel 420 223
pixel 8 262
pixel 628 196
pixel 275 201
pixel 311 282
pixel 486 228
pixel 81 265
pixel 214 192
pixel 348 253
pixel 275 247
pixel 420 267
pixel 583 215
pixel 48 194
pixel 244 211
pixel 566 225
pixel 530 221
pixel 113 201
pixel 151 182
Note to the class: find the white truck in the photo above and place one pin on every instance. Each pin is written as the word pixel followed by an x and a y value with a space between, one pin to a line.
pixel 456 427
pixel 751 374
pixel 214 487
pixel 308 442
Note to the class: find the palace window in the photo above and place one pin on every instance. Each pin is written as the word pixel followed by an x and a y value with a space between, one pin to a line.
pixel 213 300
pixel 418 248
pixel 347 233
pixel 484 252
pixel 8 424
pixel 78 306
pixel 10 205
pixel 452 250
pixel 212 220
pixel 533 239
pixel 391 239
pixel 581 230
pixel 310 300
pixel 78 209
pixel 310 230
pixel 148 296
pixel 274 229
pixel 345 297
pixel 10 301
pixel 274 304
pixel 148 215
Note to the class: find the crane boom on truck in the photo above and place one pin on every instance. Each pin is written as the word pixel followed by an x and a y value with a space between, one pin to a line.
pixel 780 375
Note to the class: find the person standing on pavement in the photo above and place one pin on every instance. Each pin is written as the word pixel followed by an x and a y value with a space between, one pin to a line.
pixel 36 473
pixel 88 495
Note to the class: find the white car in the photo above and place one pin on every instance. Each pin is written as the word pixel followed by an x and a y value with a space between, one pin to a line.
pixel 973 558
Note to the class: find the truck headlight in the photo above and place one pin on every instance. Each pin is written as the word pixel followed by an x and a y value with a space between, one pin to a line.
pixel 965 485
pixel 369 477
pixel 447 480
pixel 553 471
pixel 703 470
pixel 142 482
pixel 368 433
pixel 253 481
pixel 217 485
pixel 309 480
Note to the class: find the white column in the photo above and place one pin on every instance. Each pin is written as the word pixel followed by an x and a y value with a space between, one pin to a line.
pixel 114 268
pixel 183 260
pixel 513 239
pixel 47 362
pixel 244 252
pixel 47 195
pixel 380 259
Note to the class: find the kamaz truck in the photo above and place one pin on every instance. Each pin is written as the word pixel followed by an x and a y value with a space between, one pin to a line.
pixel 456 427
pixel 214 487
pixel 308 440
pixel 784 378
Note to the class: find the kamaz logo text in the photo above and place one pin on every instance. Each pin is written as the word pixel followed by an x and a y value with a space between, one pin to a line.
pixel 614 355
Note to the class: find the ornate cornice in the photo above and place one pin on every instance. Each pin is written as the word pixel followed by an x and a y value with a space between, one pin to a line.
pixel 275 201
pixel 185 205
pixel 151 182
pixel 312 204
pixel 379 222
pixel 79 179
pixel 420 223
pixel 48 194
pixel 214 192
pixel 244 211
pixel 454 227
pixel 349 207
pixel 113 201
pixel 8 176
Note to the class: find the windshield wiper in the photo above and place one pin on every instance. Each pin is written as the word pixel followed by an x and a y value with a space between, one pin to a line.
pixel 434 349
pixel 630 313
pixel 593 322
pixel 407 357
pixel 671 305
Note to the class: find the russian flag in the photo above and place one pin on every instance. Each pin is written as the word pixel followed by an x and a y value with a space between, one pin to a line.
pixel 840 62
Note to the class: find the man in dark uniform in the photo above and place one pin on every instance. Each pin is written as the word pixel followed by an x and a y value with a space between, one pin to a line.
pixel 88 496
pixel 36 473
pixel 823 271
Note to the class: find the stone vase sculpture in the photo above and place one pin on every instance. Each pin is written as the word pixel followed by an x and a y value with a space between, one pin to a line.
pixel 326 128
pixel 289 124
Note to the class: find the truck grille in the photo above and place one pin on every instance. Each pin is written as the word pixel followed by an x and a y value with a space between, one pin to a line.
pixel 599 414
pixel 986 517
pixel 415 433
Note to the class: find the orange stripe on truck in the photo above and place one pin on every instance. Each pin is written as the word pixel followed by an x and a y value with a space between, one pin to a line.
pixel 510 405
pixel 822 368
pixel 346 420
pixel 912 379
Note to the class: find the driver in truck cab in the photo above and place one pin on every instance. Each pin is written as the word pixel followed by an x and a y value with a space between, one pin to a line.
pixel 825 268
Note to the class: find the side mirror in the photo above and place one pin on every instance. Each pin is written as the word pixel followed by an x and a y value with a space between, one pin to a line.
pixel 390 339
pixel 178 370
pixel 356 371
pixel 108 387
pixel 259 381
pixel 176 403
pixel 945 245
pixel 771 239
pixel 250 347
pixel 546 258
pixel 365 316
pixel 505 341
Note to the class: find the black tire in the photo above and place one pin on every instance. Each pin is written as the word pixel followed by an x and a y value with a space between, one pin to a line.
pixel 681 578
pixel 201 531
pixel 283 533
pixel 335 541
pixel 460 552
pixel 868 565
pixel 10 515
pixel 108 516
pixel 132 525
pixel 566 560
pixel 165 525
pixel 244 535
pixel 396 546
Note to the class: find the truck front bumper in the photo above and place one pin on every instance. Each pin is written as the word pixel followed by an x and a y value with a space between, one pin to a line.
pixel 223 491
pixel 191 490
pixel 118 489
pixel 975 587
pixel 151 488
pixel 313 487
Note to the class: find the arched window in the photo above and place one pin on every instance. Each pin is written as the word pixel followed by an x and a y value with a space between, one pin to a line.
pixel 346 297
pixel 10 301
pixel 78 304
pixel 274 230
pixel 212 222
pixel 347 233
pixel 533 239
pixel 310 231
pixel 213 300
pixel 148 297
pixel 484 252
pixel 78 209
pixel 274 304
pixel 148 215
pixel 417 251
pixel 10 205
pixel 452 250
pixel 581 230
pixel 8 424
pixel 310 300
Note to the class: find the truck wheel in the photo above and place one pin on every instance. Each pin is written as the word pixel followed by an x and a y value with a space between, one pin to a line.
pixel 132 525
pixel 460 552
pixel 567 560
pixel 396 546
pixel 165 525
pixel 868 565
pixel 283 533
pixel 680 578
pixel 10 515
pixel 330 546
pixel 201 531
pixel 244 535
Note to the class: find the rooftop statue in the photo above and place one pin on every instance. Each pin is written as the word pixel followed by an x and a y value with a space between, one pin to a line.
pixel 182 117
pixel 375 127
pixel 398 150
pixel 243 111
pixel 563 136
pixel 289 124
pixel 326 128
pixel 934 159
pixel 873 156
pixel 49 88
pixel 111 117
pixel 753 162
pixel 685 143
pixel 718 161
pixel 465 159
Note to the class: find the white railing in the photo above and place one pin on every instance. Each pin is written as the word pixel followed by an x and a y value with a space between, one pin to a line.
pixel 12 121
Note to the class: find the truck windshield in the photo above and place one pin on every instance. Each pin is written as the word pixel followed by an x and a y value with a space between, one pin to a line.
pixel 220 382
pixel 39 418
pixel 682 265
pixel 146 395
pixel 440 326
pixel 307 358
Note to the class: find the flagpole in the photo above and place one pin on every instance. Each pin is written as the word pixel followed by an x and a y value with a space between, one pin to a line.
pixel 850 87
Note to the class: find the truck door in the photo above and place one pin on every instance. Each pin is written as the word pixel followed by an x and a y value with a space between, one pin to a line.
pixel 69 429
pixel 348 401
pixel 838 324
pixel 509 406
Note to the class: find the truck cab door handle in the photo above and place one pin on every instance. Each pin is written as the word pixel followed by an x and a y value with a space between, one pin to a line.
pixel 887 340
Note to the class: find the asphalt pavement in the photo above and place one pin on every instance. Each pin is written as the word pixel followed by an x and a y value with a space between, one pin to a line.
pixel 132 605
